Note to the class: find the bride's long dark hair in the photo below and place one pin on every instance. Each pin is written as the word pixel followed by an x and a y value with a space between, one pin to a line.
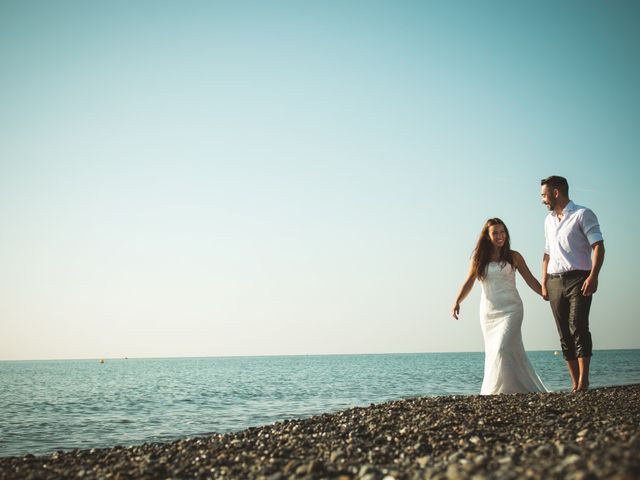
pixel 482 253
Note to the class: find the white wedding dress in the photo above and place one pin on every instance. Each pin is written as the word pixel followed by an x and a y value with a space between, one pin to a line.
pixel 506 366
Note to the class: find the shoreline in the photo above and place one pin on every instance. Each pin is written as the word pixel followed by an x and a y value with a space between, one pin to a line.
pixel 593 434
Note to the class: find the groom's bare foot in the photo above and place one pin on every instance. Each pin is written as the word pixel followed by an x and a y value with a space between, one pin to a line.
pixel 583 387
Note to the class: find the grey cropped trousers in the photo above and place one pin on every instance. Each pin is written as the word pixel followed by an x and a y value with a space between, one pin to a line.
pixel 571 311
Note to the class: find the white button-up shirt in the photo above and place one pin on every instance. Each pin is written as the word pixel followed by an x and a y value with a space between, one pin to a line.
pixel 568 241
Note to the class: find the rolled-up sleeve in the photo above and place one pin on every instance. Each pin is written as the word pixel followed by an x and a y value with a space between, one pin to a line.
pixel 591 227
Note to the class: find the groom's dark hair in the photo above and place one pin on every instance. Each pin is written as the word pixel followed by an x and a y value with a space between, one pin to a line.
pixel 554 181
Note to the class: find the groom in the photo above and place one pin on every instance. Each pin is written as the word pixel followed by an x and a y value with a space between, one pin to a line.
pixel 573 256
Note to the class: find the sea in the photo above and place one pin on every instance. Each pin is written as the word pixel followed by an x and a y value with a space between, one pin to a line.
pixel 60 405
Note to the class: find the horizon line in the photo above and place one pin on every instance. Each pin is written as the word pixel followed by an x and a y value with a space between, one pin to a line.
pixel 281 355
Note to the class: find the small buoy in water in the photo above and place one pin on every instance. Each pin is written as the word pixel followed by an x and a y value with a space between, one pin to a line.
pixel 102 360
pixel 556 353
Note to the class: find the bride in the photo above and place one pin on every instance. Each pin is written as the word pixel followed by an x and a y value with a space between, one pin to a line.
pixel 506 366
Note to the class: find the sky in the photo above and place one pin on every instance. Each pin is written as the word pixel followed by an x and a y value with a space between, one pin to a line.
pixel 208 178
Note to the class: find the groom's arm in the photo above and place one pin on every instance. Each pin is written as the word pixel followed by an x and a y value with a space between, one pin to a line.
pixel 543 282
pixel 590 285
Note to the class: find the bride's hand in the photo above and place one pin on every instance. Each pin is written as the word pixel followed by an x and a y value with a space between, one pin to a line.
pixel 455 311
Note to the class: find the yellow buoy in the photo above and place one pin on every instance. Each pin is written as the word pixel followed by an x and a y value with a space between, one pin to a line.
pixel 556 353
pixel 102 360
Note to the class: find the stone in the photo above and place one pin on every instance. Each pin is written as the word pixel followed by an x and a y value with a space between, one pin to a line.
pixel 453 472
pixel 572 461
pixel 543 451
pixel 336 455
pixel 315 467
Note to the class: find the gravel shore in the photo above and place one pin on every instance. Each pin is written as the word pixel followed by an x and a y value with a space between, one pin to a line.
pixel 594 434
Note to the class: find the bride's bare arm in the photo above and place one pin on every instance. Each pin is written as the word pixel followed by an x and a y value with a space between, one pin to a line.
pixel 464 291
pixel 521 265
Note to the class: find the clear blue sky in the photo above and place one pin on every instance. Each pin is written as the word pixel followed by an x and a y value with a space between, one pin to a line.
pixel 250 178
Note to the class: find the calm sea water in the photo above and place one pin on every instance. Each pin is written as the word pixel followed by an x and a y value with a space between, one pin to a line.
pixel 60 405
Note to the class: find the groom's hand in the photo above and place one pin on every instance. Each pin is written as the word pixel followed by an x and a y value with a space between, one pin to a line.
pixel 590 286
pixel 545 293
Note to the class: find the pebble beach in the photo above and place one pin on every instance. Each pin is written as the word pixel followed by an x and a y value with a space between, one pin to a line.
pixel 584 435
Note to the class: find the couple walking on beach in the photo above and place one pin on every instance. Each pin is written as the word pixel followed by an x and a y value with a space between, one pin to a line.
pixel 573 256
